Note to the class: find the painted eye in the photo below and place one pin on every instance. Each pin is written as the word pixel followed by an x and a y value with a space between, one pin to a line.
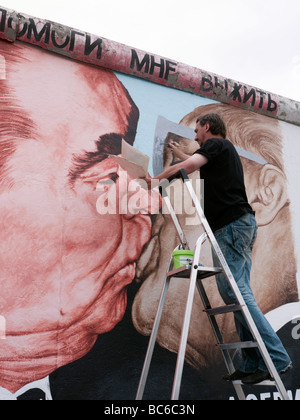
pixel 115 177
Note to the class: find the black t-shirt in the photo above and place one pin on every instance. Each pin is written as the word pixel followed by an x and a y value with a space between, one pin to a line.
pixel 225 198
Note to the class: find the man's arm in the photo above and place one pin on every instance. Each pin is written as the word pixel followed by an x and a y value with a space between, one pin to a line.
pixel 190 165
pixel 176 149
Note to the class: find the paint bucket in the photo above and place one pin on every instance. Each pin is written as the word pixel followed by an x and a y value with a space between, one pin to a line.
pixel 182 258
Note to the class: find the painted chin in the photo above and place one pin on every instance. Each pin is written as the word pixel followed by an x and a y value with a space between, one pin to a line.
pixel 114 299
pixel 125 276
pixel 117 290
pixel 78 338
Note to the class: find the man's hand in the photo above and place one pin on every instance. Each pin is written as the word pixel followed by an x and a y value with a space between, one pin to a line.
pixel 148 183
pixel 176 149
pixel 173 145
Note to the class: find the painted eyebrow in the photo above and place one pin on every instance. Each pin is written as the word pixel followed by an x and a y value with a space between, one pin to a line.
pixel 108 144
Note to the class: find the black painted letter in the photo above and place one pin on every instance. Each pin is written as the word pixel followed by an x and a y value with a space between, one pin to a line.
pixel 3 20
pixel 90 47
pixel 140 64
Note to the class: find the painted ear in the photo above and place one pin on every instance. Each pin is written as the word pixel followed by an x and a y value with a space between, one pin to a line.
pixel 271 194
pixel 207 127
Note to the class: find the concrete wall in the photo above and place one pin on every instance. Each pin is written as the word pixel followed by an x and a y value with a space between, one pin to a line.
pixel 79 290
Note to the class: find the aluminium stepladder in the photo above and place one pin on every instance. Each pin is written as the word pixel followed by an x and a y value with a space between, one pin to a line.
pixel 196 273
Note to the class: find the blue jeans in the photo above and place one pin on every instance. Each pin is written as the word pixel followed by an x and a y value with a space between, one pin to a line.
pixel 236 241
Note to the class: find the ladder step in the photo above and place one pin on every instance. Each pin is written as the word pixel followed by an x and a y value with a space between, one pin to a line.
pixel 203 272
pixel 223 310
pixel 265 383
pixel 239 345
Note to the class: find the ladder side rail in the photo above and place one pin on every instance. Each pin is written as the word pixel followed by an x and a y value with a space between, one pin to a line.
pixel 219 338
pixel 187 319
pixel 225 353
pixel 265 354
pixel 236 290
pixel 227 272
pixel 152 342
pixel 172 213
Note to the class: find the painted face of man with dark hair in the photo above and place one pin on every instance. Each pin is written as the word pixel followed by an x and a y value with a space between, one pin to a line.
pixel 64 268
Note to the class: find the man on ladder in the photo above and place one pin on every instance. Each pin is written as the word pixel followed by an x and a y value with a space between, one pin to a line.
pixel 233 222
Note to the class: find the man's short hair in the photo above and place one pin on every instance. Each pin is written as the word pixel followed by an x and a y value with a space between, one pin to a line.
pixel 248 130
pixel 216 123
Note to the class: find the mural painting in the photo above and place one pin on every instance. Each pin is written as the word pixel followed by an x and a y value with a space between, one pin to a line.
pixel 79 289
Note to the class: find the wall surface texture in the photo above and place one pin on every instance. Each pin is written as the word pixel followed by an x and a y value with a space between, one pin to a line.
pixel 79 289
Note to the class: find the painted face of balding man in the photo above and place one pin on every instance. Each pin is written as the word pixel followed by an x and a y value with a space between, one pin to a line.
pixel 64 268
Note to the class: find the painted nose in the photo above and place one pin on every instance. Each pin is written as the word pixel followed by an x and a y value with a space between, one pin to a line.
pixel 141 200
